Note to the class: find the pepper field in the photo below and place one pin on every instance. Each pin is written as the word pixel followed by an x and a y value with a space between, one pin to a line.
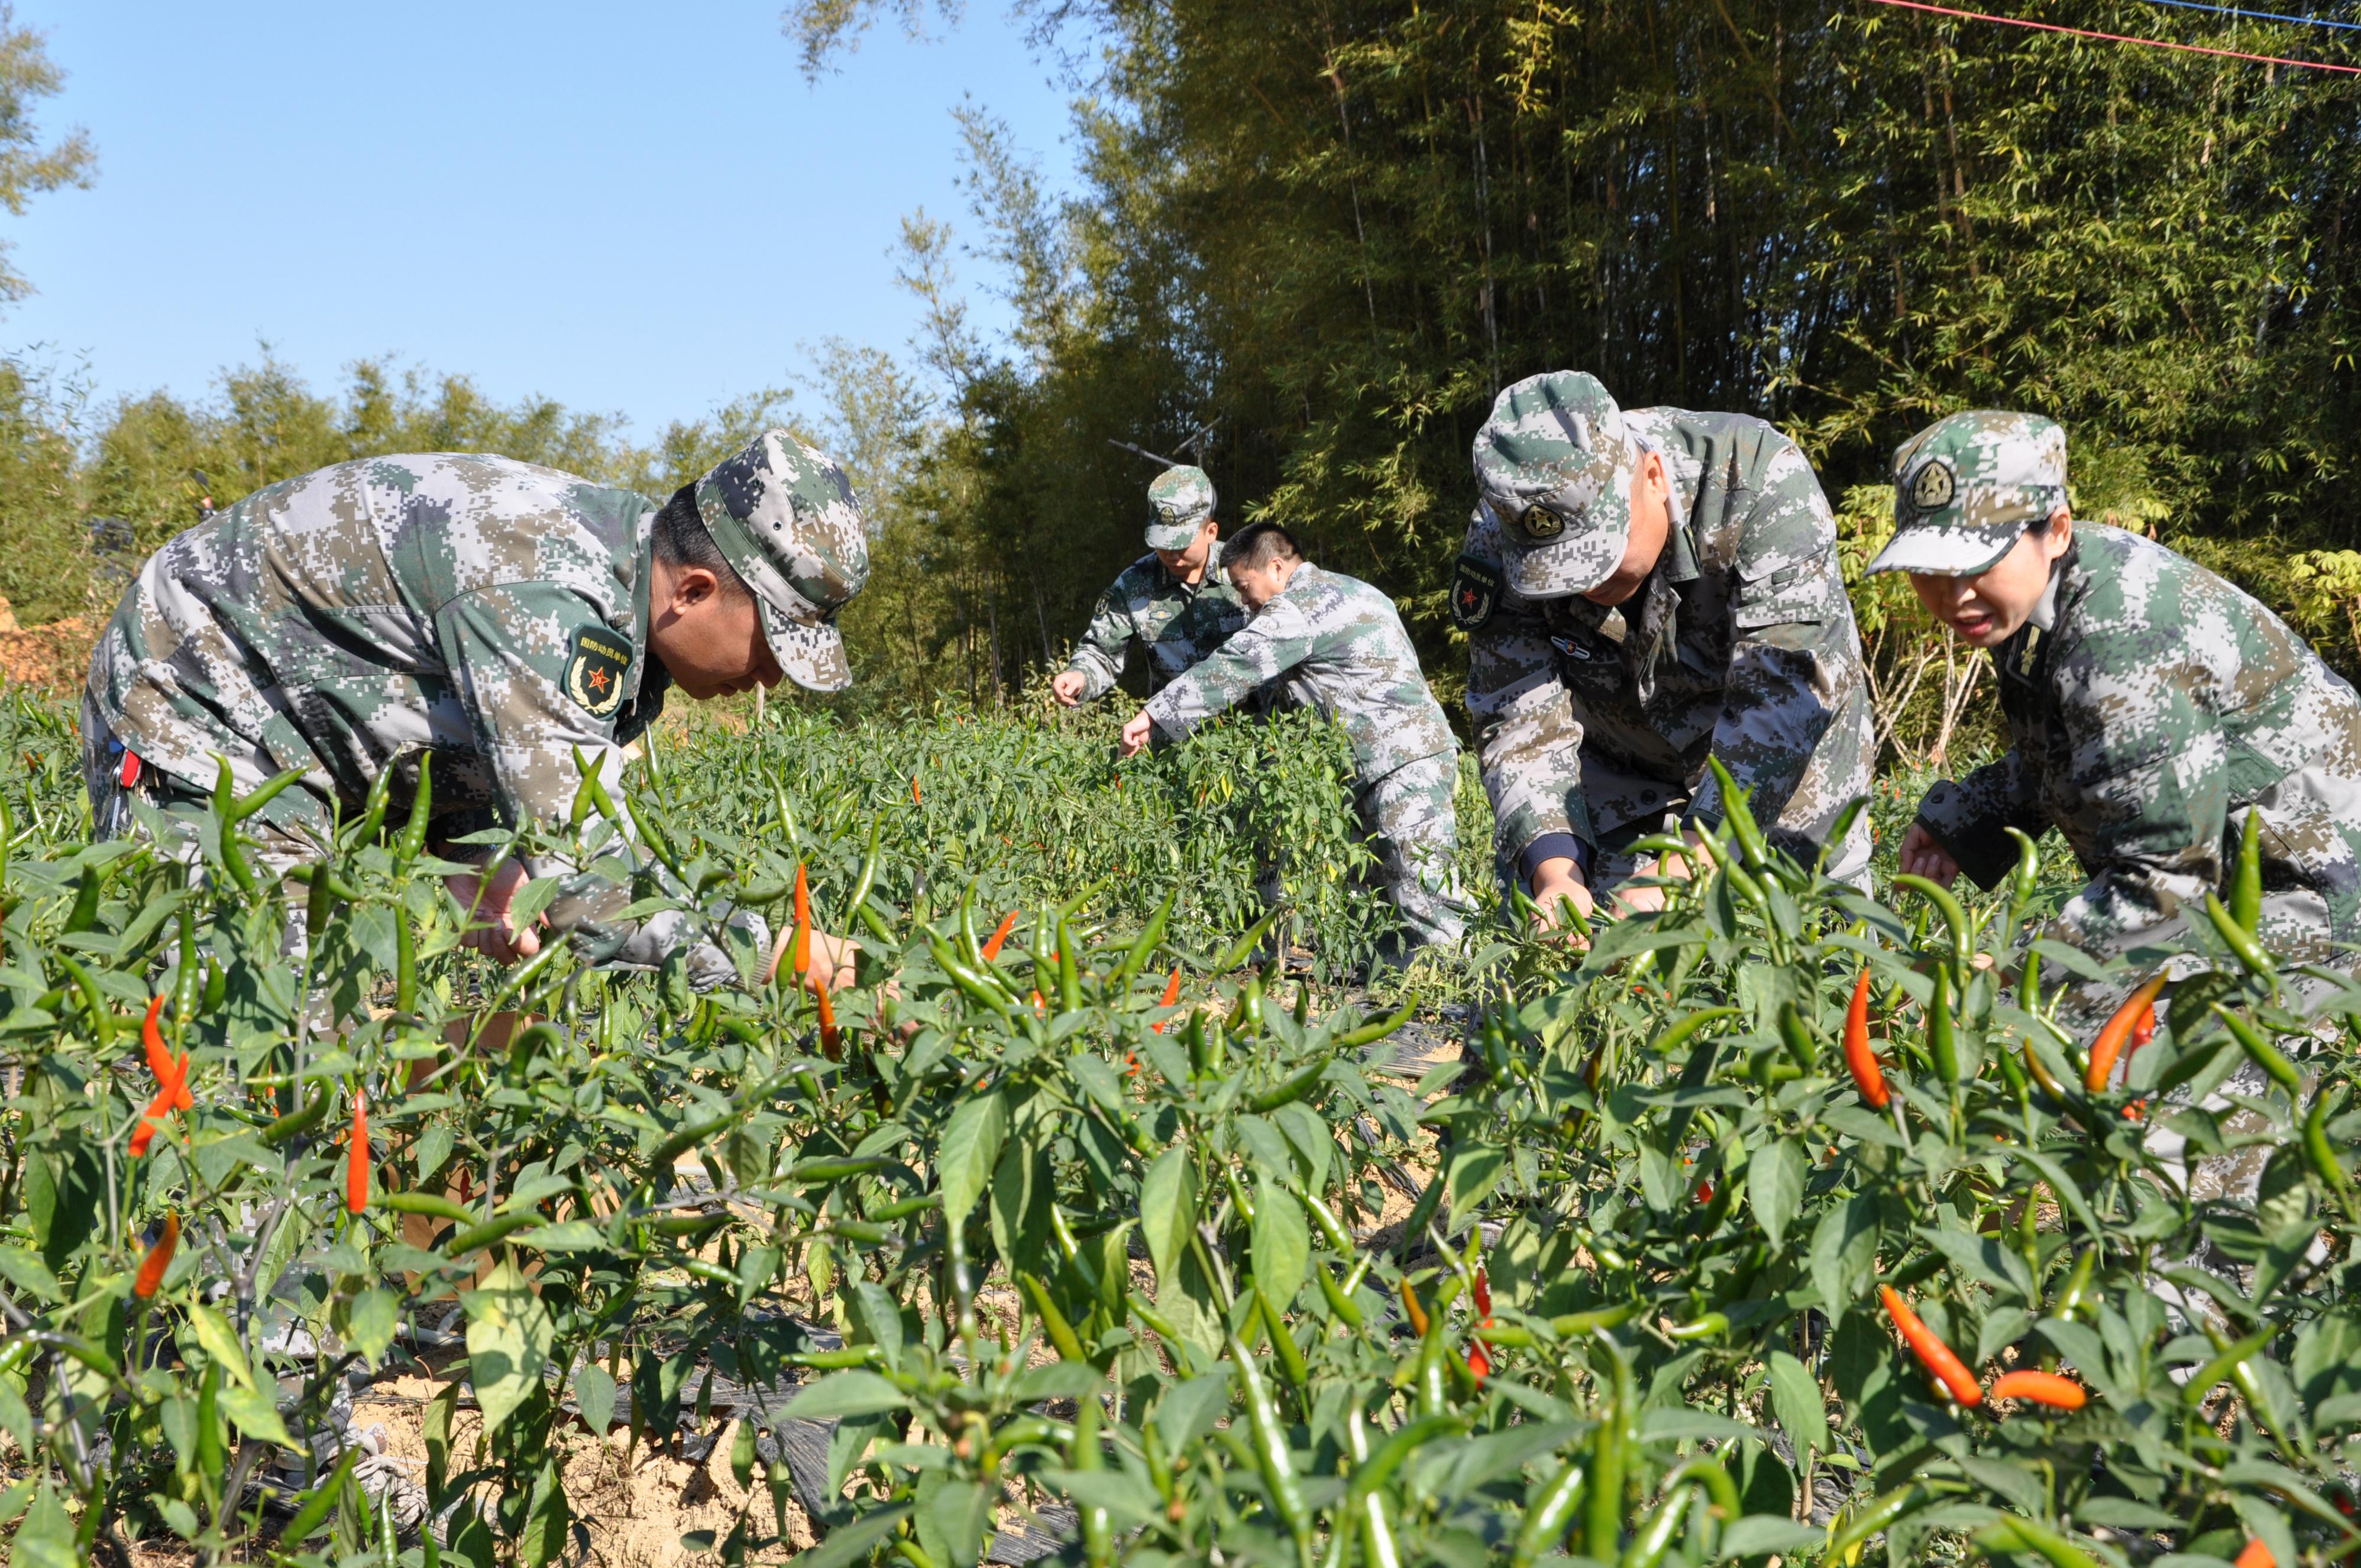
pixel 1017 1258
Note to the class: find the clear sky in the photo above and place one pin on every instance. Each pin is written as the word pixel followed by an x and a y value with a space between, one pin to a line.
pixel 633 208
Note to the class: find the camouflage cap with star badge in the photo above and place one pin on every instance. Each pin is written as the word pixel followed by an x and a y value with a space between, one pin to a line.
pixel 1554 465
pixel 1180 499
pixel 1968 487
pixel 785 517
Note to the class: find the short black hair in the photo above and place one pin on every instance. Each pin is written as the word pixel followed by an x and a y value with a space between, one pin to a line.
pixel 682 538
pixel 1258 543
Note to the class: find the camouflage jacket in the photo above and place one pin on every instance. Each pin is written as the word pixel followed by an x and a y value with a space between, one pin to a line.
pixel 2160 703
pixel 1740 645
pixel 1177 623
pixel 355 618
pixel 1329 642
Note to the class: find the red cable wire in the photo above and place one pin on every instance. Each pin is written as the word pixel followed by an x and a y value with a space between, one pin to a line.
pixel 2121 37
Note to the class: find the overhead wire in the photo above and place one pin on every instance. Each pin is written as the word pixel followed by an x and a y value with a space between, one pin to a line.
pixel 2243 13
pixel 2120 37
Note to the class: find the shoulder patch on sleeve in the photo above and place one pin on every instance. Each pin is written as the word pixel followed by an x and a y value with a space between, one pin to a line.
pixel 1475 592
pixel 595 667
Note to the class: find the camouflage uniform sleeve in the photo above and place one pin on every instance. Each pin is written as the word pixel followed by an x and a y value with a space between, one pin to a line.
pixel 2152 769
pixel 1970 817
pixel 1528 741
pixel 510 648
pixel 1264 648
pixel 1099 655
pixel 1794 667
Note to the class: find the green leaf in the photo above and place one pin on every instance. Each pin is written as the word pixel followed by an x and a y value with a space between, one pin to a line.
pixel 369 1326
pixel 1474 1169
pixel 220 1342
pixel 25 1272
pixel 509 1333
pixel 433 1148
pixel 1760 1535
pixel 958 1509
pixel 45 1539
pixel 1844 1255
pixel 1796 1401
pixel 970 1147
pixel 594 1396
pixel 1774 1187
pixel 851 1543
pixel 1281 1242
pixel 255 1415
pixel 851 1393
pixel 1168 1209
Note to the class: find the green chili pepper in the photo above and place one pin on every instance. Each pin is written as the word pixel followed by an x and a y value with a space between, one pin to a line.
pixel 970 985
pixel 861 884
pixel 1738 816
pixel 1062 1338
pixel 432 1204
pixel 1292 1365
pixel 1609 1459
pixel 815 1171
pixel 687 1138
pixel 2261 1052
pixel 1942 1041
pixel 2074 1298
pixel 2240 940
pixel 1548 1515
pixel 2316 1147
pixel 1656 1531
pixel 1136 958
pixel 184 977
pixel 2026 878
pixel 1293 1088
pixel 1340 1301
pixel 1874 1518
pixel 833 1360
pixel 2246 883
pixel 1948 907
pixel 1373 1469
pixel 1796 1035
pixel 485 1235
pixel 1070 971
pixel 2224 1367
pixel 1432 1355
pixel 373 813
pixel 1237 952
pixel 1710 1326
pixel 1083 1456
pixel 421 806
pixel 1270 1451
pixel 1370 1033
pixel 1574 1325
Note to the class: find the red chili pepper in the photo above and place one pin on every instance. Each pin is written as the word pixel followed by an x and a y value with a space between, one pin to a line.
pixel 170 1074
pixel 1704 1193
pixel 159 1259
pixel 1483 1295
pixel 799 957
pixel 1479 1365
pixel 2256 1555
pixel 2117 1029
pixel 830 1044
pixel 1860 1060
pixel 2041 1389
pixel 1038 1005
pixel 2144 1030
pixel 150 1121
pixel 1933 1354
pixel 1000 934
pixel 914 789
pixel 1171 996
pixel 356 1159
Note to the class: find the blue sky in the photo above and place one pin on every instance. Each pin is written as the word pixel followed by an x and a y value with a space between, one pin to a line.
pixel 640 210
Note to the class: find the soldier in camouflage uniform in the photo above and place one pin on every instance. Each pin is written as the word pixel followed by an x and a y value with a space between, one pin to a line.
pixel 1177 600
pixel 1643 589
pixel 1333 643
pixel 2150 706
pixel 493 614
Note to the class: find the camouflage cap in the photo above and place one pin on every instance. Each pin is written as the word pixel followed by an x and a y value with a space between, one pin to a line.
pixel 1180 499
pixel 1554 465
pixel 1966 488
pixel 785 516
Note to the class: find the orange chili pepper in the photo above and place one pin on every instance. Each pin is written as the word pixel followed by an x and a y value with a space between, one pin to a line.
pixel 356 1159
pixel 2117 1029
pixel 150 1121
pixel 159 1259
pixel 1417 1313
pixel 1933 1354
pixel 1479 1365
pixel 914 789
pixel 799 959
pixel 2256 1555
pixel 1000 934
pixel 2041 1389
pixel 830 1044
pixel 1860 1060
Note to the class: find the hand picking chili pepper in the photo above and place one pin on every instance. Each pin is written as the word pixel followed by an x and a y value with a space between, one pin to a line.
pixel 159 1259
pixel 2040 1387
pixel 2117 1029
pixel 1935 1356
pixel 1860 1060
pixel 356 1158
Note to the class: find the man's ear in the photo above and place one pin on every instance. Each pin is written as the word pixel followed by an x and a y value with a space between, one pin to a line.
pixel 2060 533
pixel 693 585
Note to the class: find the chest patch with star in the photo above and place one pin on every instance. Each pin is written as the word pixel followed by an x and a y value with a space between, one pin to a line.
pixel 595 668
pixel 1475 592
